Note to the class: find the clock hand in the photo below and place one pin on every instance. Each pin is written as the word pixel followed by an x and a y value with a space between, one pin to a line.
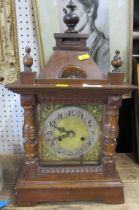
pixel 60 138
pixel 68 134
pixel 61 129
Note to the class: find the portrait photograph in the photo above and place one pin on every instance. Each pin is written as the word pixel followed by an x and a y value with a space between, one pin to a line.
pixel 98 18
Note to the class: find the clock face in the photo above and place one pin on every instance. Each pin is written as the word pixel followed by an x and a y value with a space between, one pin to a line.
pixel 70 132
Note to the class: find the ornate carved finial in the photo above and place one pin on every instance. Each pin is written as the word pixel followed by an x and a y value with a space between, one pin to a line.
pixel 117 61
pixel 27 60
pixel 70 19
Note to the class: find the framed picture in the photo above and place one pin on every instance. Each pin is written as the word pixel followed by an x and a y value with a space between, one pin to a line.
pixel 109 24
pixel 9 59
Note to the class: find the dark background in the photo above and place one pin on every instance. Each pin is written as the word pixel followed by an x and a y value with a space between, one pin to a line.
pixel 125 122
pixel 128 140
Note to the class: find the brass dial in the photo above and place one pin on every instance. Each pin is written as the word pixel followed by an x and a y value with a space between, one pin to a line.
pixel 71 132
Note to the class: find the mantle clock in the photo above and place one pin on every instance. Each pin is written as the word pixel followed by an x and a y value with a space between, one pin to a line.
pixel 70 124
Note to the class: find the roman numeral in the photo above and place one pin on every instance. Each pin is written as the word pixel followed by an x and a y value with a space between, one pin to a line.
pixel 59 115
pixel 90 124
pixel 81 115
pixel 49 134
pixel 52 124
pixel 52 143
pixel 92 132
pixel 70 154
pixel 71 113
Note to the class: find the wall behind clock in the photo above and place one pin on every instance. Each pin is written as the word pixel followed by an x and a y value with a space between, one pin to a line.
pixel 11 113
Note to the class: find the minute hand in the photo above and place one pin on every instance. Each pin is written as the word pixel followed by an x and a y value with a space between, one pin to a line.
pixel 69 133
pixel 60 138
pixel 62 130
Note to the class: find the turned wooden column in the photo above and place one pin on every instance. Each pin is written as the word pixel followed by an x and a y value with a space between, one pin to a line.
pixel 111 127
pixel 29 134
pixel 111 132
pixel 29 127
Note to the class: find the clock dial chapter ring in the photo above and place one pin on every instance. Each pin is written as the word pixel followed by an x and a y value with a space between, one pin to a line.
pixel 73 133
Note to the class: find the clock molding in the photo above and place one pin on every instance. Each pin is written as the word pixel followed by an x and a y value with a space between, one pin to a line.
pixel 40 182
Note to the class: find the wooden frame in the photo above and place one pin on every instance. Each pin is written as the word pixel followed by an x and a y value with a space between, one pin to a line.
pixel 9 59
pixel 118 12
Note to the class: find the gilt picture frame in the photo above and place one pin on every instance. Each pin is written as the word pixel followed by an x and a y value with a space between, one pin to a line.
pixel 113 21
pixel 9 56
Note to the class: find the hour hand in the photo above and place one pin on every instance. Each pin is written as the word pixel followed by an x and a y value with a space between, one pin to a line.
pixel 68 134
pixel 61 129
pixel 60 138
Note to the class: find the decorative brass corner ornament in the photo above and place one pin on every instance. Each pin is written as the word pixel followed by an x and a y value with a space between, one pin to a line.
pixel 9 60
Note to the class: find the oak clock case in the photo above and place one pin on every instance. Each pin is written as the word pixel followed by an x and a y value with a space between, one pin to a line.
pixel 70 124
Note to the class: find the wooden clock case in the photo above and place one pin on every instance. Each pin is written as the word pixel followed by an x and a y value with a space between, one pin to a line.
pixel 38 183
